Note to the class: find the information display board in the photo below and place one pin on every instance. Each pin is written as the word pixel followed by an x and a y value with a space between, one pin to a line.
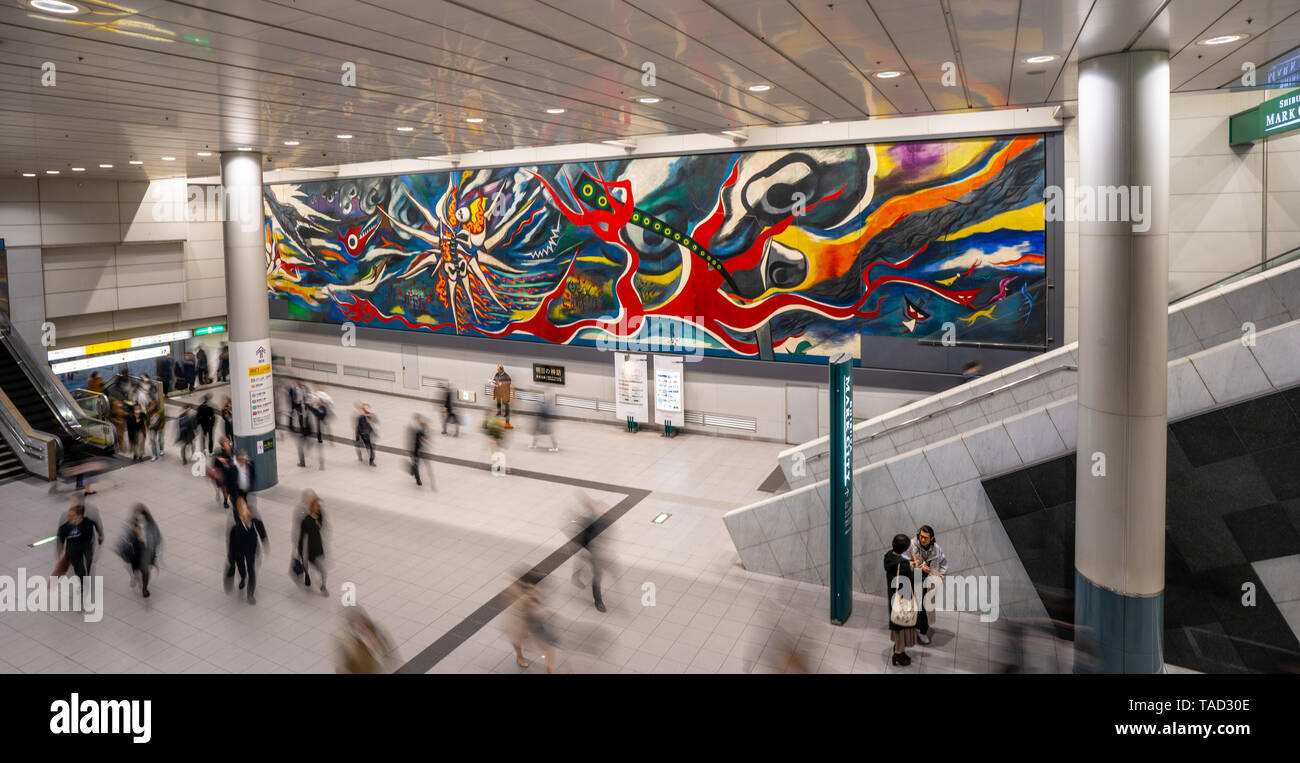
pixel 548 374
pixel 670 402
pixel 631 393
pixel 251 394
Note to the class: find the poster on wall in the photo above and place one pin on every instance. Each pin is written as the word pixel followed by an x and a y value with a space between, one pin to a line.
pixel 784 254
pixel 252 395
pixel 631 396
pixel 670 406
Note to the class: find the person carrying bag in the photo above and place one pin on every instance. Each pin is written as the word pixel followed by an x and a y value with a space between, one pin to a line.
pixel 902 600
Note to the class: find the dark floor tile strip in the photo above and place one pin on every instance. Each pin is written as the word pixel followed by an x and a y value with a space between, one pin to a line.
pixel 458 635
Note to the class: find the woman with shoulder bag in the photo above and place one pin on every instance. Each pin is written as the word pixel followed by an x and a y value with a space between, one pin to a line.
pixel 902 602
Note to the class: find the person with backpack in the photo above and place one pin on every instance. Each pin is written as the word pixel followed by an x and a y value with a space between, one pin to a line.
pixel 365 431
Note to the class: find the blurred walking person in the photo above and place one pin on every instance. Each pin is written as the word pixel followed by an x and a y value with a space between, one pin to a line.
pixel 157 423
pixel 239 477
pixel 201 366
pixel 241 550
pixel 140 546
pixel 228 420
pixel 365 431
pixel 223 363
pixel 136 424
pixel 528 626
pixel 189 368
pixel 75 539
pixel 593 524
pixel 186 427
pixel 542 428
pixel 419 437
pixel 206 416
pixel 311 544
pixel 321 407
pixel 449 412
pixel 363 647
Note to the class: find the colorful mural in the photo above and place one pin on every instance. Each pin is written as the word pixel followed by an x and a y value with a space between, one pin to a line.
pixel 786 254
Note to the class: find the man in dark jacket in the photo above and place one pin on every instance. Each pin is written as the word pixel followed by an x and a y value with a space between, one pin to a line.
pixel 206 416
pixel 190 370
pixel 242 549
pixel 76 538
pixel 163 370
pixel 420 436
pixel 239 476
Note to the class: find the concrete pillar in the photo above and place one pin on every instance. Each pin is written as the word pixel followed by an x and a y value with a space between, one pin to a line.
pixel 248 314
pixel 1119 550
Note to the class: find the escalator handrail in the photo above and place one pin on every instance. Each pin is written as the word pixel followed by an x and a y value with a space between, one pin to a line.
pixel 60 405
pixel 18 430
pixel 1271 262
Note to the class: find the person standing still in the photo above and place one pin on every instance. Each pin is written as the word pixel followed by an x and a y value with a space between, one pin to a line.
pixel 157 429
pixel 927 555
pixel 501 392
pixel 201 366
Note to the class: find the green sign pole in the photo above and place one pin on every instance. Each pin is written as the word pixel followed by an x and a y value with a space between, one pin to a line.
pixel 841 487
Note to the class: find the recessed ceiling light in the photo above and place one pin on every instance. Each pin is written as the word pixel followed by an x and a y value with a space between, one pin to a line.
pixel 135 161
pixel 344 136
pixel 291 143
pixel 759 88
pixel 405 129
pixel 55 6
pixel 474 120
pixel 205 153
pixel 51 172
pixel 1040 59
pixel 29 174
pixel 1223 39
pixel 889 74
pixel 169 158
pixel 106 166
pixel 245 148
pixel 78 169
pixel 555 111
pixel 649 99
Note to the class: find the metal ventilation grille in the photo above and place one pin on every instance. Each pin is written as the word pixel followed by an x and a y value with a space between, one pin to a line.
pixel 601 405
pixel 693 417
pixel 369 373
pixel 528 396
pixel 426 381
pixel 575 402
pixel 312 365
pixel 744 423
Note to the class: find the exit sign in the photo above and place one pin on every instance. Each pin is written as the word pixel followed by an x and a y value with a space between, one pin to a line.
pixel 1274 116
pixel 209 330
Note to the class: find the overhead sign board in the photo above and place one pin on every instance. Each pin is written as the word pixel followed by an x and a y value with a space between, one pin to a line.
pixel 547 374
pixel 1272 117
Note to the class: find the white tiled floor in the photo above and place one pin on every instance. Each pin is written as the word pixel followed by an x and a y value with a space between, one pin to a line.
pixel 422 561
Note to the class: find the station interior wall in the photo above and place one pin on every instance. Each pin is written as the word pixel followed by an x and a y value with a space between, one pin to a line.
pixel 93 257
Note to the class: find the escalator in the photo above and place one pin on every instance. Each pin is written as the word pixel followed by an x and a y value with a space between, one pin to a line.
pixel 45 405
pixel 10 465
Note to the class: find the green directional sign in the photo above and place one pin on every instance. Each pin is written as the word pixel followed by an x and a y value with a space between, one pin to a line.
pixel 209 330
pixel 1274 116
pixel 841 488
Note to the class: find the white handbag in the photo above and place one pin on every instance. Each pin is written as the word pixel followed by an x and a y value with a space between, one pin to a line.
pixel 902 610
